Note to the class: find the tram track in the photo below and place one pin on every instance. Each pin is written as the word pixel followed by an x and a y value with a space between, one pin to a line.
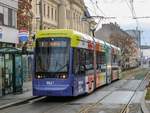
pixel 87 108
pixel 84 109
pixel 125 109
pixel 56 105
pixel 90 106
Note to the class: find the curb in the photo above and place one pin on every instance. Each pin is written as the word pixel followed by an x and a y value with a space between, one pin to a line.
pixel 143 104
pixel 17 102
pixel 143 107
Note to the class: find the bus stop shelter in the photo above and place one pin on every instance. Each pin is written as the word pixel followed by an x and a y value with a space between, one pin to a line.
pixel 11 79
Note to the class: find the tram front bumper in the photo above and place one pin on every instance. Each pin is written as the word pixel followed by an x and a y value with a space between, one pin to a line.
pixel 57 90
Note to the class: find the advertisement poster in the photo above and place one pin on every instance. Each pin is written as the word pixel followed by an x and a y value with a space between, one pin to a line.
pixel 18 70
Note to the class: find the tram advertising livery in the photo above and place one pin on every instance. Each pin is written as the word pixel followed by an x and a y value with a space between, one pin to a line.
pixel 69 63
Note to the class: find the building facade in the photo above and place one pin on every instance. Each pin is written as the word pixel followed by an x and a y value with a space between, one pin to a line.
pixel 136 34
pixel 61 14
pixel 113 34
pixel 107 30
pixel 8 22
pixel 8 39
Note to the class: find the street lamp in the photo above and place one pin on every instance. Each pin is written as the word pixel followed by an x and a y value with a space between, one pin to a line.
pixel 37 18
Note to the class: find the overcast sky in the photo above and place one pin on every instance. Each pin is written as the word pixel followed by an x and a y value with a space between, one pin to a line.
pixel 121 10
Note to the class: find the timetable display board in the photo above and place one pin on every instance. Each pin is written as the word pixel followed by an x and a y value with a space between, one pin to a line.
pixel 52 43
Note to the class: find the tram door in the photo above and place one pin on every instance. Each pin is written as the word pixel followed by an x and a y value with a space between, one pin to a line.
pixel 108 60
pixel 8 73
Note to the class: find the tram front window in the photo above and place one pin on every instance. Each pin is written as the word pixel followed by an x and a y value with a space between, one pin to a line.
pixel 52 56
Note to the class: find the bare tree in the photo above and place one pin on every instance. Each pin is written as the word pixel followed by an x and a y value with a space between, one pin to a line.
pixel 126 43
pixel 24 15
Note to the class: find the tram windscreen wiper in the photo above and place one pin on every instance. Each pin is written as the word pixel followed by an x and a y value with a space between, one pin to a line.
pixel 61 68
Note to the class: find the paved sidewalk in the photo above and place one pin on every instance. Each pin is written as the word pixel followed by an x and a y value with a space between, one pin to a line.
pixel 148 105
pixel 12 99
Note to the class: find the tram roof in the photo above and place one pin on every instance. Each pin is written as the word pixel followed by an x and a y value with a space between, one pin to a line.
pixel 65 32
pixel 61 33
pixel 99 41
pixel 70 33
pixel 105 43
pixel 84 36
pixel 115 47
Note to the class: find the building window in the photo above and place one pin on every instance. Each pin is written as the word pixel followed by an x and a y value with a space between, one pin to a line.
pixel 44 9
pixel 10 19
pixel 1 19
pixel 14 19
pixel 48 12
pixel 55 14
pixel 68 14
pixel 52 13
pixel 5 16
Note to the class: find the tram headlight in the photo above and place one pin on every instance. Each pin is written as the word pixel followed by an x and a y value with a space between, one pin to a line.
pixel 38 76
pixel 62 76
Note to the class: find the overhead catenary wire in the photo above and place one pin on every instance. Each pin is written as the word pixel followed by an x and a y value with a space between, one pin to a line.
pixel 142 17
pixel 90 9
pixel 97 17
pixel 99 8
pixel 132 9
pixel 134 13
pixel 96 7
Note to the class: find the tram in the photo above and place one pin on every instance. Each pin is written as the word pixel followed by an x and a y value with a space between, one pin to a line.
pixel 69 63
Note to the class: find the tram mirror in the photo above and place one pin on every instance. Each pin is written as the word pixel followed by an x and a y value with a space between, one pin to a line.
pixel 33 37
pixel 82 69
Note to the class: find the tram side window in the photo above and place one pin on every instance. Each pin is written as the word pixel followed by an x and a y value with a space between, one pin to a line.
pixel 101 61
pixel 89 60
pixel 100 58
pixel 114 59
pixel 79 61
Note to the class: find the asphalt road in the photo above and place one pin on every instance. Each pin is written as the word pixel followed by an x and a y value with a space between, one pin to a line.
pixel 107 99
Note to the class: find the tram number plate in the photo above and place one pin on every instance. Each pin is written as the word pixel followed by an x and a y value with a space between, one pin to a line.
pixel 49 82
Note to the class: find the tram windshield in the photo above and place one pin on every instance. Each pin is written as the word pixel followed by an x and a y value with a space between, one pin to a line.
pixel 52 55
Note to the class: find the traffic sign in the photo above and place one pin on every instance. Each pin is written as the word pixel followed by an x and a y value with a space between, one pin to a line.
pixel 23 35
